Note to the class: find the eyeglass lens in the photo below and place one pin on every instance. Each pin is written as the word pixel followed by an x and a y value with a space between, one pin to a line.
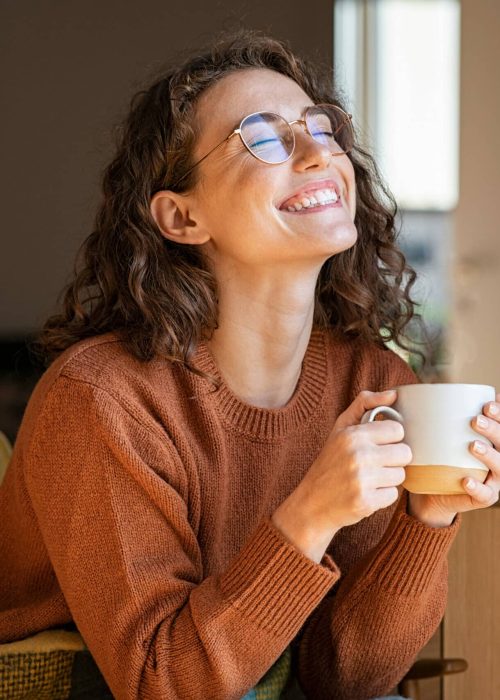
pixel 270 138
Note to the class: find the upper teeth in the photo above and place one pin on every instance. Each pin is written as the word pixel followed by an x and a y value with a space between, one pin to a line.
pixel 319 198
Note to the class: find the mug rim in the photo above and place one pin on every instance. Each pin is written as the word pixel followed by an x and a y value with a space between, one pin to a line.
pixel 447 384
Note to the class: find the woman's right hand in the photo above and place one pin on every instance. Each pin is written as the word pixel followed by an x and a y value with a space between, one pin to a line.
pixel 355 474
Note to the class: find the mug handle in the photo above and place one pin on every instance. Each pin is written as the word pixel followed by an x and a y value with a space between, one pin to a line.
pixel 369 416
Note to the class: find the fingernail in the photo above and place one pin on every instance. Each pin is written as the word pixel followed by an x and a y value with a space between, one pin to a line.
pixel 470 483
pixel 493 409
pixel 479 447
pixel 482 422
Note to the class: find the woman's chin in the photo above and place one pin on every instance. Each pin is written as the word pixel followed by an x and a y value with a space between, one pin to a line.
pixel 335 238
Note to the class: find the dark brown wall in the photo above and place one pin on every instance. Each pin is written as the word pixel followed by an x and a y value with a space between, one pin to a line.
pixel 68 70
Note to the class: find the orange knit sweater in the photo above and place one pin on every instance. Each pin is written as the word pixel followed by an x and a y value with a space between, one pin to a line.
pixel 137 504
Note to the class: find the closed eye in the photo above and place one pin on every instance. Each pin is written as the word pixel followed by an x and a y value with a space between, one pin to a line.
pixel 263 142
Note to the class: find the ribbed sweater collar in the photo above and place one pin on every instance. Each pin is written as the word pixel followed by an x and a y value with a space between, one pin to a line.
pixel 272 423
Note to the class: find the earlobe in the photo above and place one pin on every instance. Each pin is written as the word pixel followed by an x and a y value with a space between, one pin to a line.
pixel 171 214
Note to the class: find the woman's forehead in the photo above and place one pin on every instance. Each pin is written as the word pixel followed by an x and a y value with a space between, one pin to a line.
pixel 242 92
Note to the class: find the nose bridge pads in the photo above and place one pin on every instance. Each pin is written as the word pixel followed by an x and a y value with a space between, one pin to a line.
pixel 310 140
pixel 303 125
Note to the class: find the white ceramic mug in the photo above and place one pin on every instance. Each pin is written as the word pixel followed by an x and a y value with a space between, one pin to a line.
pixel 436 419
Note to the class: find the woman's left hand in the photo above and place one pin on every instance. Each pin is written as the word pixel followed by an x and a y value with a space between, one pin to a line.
pixel 439 510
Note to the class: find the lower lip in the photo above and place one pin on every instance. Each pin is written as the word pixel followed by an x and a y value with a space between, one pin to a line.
pixel 314 210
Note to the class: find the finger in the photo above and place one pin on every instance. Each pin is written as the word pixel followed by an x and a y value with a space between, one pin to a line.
pixel 385 497
pixel 487 455
pixel 492 409
pixel 398 455
pixel 484 495
pixel 487 427
pixel 367 400
pixel 492 482
pixel 364 401
pixel 384 431
pixel 390 476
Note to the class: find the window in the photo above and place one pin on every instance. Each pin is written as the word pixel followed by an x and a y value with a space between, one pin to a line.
pixel 397 64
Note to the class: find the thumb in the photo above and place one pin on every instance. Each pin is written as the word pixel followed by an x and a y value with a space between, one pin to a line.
pixel 363 402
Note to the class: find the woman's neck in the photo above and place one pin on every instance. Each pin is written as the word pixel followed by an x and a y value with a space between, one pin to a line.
pixel 261 371
pixel 260 364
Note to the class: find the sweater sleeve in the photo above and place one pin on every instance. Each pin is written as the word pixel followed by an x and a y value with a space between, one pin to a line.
pixel 360 641
pixel 365 635
pixel 110 500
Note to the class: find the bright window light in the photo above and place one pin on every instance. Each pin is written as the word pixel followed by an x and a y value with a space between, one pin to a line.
pixel 398 62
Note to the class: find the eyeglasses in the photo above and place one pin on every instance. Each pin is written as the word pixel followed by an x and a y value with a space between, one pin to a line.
pixel 270 138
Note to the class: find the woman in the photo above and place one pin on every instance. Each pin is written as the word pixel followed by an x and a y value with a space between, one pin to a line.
pixel 191 485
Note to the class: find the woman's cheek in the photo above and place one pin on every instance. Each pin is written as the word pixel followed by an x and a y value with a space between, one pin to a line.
pixel 353 204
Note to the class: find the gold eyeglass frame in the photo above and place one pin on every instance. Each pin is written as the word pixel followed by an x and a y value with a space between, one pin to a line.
pixel 347 120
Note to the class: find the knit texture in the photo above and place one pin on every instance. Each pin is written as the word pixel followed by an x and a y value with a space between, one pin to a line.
pixel 271 686
pixel 137 505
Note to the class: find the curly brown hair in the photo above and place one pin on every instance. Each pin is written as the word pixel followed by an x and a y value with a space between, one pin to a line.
pixel 160 296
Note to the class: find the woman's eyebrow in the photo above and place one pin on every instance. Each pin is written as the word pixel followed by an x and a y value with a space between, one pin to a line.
pixel 272 111
pixel 237 124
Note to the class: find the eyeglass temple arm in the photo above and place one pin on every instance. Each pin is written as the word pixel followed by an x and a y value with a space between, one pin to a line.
pixel 344 122
pixel 236 131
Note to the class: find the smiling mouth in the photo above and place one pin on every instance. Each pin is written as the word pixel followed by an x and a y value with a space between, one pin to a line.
pixel 315 200
pixel 312 207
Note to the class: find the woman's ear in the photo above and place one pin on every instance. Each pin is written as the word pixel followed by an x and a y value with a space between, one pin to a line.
pixel 171 213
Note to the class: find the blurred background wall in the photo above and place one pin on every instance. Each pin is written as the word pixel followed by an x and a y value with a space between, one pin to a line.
pixel 474 334
pixel 472 623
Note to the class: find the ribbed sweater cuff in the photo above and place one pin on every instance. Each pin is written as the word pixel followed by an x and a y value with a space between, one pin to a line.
pixel 275 584
pixel 410 552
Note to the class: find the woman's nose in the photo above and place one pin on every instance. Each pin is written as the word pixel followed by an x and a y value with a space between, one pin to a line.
pixel 308 151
